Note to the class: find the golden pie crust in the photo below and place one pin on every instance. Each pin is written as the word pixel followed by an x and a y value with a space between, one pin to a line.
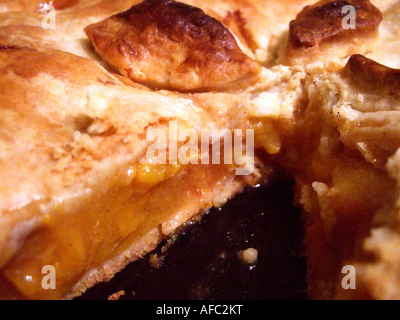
pixel 77 102
pixel 173 46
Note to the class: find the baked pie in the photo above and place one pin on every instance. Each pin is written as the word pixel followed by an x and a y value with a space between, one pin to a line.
pixel 77 102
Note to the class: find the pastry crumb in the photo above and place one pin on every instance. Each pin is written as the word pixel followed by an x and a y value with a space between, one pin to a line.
pixel 116 295
pixel 248 256
pixel 156 261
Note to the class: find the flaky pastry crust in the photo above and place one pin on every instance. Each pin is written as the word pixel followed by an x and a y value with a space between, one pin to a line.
pixel 318 30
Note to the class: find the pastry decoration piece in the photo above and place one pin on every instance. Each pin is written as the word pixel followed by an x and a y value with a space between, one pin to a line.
pixel 371 76
pixel 368 109
pixel 170 45
pixel 320 30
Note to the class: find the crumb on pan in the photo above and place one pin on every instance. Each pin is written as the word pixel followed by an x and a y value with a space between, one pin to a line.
pixel 116 295
pixel 248 256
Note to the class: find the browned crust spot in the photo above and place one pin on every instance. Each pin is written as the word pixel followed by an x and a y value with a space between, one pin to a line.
pixel 58 4
pixel 64 4
pixel 171 45
pixel 371 76
pixel 322 22
pixel 318 32
pixel 235 21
